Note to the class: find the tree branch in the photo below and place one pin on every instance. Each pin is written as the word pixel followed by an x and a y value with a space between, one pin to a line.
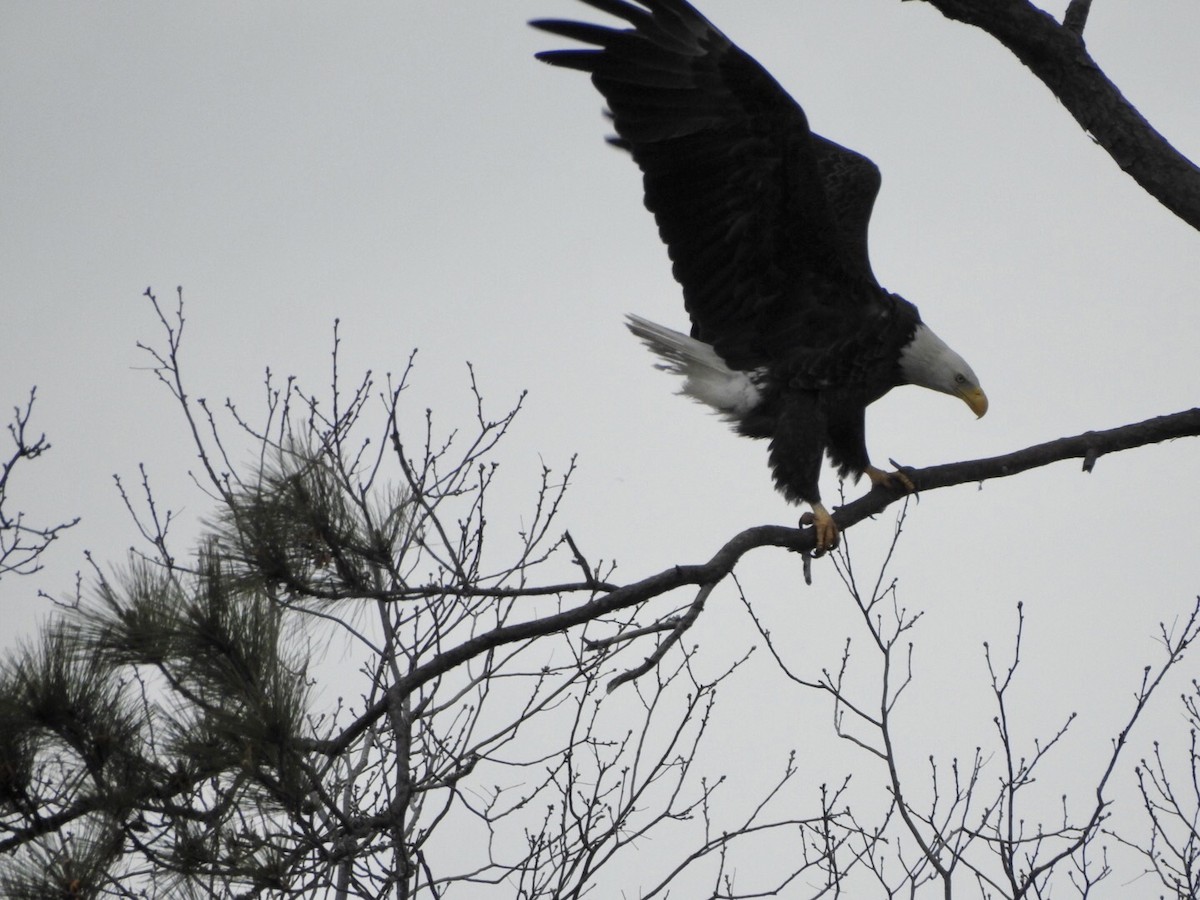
pixel 1075 18
pixel 1089 446
pixel 1056 54
pixel 21 544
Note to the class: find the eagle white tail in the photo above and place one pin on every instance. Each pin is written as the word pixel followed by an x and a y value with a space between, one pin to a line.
pixel 705 376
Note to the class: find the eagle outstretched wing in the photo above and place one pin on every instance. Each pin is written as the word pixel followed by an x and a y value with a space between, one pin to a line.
pixel 765 222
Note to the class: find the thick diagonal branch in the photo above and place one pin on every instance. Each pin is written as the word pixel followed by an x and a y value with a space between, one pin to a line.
pixel 1056 54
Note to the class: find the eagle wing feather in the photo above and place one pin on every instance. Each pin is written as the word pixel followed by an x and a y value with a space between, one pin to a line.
pixel 765 222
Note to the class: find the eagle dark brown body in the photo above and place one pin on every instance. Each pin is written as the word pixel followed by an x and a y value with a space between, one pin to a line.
pixel 792 337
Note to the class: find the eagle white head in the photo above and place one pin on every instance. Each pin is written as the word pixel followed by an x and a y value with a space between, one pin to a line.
pixel 928 361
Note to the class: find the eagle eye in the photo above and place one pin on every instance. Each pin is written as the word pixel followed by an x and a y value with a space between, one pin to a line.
pixel 960 378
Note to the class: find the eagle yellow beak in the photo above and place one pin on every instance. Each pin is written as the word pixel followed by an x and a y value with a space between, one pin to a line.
pixel 976 399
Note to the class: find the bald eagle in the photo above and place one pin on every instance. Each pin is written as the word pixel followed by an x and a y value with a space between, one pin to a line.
pixel 766 226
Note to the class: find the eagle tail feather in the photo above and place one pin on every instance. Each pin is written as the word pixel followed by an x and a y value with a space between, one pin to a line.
pixel 707 378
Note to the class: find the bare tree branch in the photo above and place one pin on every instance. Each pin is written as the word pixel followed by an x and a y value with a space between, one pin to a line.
pixel 22 544
pixel 1056 54
pixel 1075 18
pixel 1089 446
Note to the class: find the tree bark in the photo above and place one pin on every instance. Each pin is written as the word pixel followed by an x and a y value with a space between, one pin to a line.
pixel 1056 54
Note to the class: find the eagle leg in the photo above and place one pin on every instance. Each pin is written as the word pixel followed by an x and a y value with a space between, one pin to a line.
pixel 827 536
pixel 897 480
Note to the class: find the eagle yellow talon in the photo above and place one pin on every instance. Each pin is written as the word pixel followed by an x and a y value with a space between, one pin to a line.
pixel 891 480
pixel 827 536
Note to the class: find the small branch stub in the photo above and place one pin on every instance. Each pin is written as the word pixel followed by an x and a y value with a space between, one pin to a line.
pixel 1075 18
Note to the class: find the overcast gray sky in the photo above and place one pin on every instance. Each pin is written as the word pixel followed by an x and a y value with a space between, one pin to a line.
pixel 410 168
